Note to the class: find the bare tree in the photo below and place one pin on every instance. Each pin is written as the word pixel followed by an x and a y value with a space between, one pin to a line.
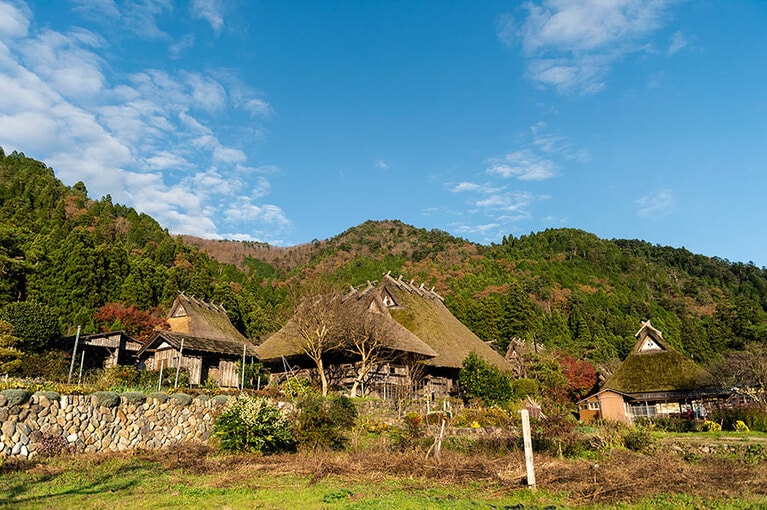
pixel 366 340
pixel 745 371
pixel 415 371
pixel 318 319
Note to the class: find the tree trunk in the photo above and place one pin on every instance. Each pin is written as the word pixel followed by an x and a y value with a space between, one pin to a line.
pixel 323 377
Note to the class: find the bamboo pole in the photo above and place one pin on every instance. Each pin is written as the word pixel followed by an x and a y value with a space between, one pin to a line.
pixel 74 355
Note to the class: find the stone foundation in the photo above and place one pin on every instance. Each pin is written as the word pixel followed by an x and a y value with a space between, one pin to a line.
pixel 84 423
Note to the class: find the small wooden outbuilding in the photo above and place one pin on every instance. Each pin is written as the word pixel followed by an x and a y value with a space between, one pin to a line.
pixel 202 338
pixel 102 350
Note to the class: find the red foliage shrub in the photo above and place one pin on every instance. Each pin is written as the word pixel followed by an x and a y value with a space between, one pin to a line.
pixel 140 324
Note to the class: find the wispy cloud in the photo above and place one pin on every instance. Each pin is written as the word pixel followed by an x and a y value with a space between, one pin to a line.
pixel 524 165
pixel 381 164
pixel 539 157
pixel 656 205
pixel 137 17
pixel 678 42
pixel 150 139
pixel 210 11
pixel 571 45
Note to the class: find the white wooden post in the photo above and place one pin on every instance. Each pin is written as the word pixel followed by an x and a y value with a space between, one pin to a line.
pixel 82 360
pixel 528 449
pixel 242 377
pixel 178 365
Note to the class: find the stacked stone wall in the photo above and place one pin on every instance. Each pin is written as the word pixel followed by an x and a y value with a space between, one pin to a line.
pixel 92 423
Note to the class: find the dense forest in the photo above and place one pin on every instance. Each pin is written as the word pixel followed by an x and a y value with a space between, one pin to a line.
pixel 68 256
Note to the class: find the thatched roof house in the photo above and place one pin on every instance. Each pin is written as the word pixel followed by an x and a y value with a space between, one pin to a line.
pixel 202 335
pixel 416 320
pixel 654 366
pixel 654 379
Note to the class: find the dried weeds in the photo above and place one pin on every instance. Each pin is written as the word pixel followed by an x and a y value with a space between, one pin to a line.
pixel 619 476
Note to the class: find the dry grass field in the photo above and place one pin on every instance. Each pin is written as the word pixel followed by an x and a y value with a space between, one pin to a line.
pixel 199 476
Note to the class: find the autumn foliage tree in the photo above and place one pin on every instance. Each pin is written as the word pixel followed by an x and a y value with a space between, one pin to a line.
pixel 581 376
pixel 137 323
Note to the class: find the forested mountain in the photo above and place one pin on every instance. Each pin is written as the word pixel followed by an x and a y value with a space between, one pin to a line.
pixel 562 288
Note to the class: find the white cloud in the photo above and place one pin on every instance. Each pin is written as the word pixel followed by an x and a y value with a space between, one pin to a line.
pixel 678 43
pixel 516 202
pixel 485 230
pixel 181 45
pixel 210 11
pixel 381 164
pixel 150 139
pixel 656 205
pixel 13 21
pixel 571 45
pixel 473 187
pixel 524 165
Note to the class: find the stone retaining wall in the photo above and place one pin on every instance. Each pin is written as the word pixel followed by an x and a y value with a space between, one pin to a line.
pixel 83 423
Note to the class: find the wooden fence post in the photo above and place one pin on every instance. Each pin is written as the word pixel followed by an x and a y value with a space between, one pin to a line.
pixel 528 449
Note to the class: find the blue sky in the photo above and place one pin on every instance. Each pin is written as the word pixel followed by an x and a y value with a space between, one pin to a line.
pixel 285 121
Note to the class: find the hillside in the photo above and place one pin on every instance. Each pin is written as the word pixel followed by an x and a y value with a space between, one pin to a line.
pixel 565 288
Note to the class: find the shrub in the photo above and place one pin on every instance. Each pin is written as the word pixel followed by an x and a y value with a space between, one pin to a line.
pixel 297 388
pixel 411 435
pixel 478 379
pixel 252 424
pixel 371 425
pixel 524 387
pixel 106 398
pixel 51 365
pixel 754 454
pixel 752 415
pixel 16 397
pixel 49 395
pixel 221 399
pixel 711 426
pixel 637 439
pixel 118 376
pixel 182 398
pixel 741 427
pixel 134 397
pixel 484 416
pixel 322 422
pixel 159 396
pixel 669 424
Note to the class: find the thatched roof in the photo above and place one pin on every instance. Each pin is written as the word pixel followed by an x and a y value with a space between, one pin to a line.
pixel 203 327
pixel 654 366
pixel 364 304
pixel 197 318
pixel 416 320
pixel 422 312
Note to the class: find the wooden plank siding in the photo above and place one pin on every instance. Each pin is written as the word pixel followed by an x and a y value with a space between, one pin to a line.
pixel 227 374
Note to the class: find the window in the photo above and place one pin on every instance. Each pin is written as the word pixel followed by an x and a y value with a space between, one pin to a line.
pixel 594 405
